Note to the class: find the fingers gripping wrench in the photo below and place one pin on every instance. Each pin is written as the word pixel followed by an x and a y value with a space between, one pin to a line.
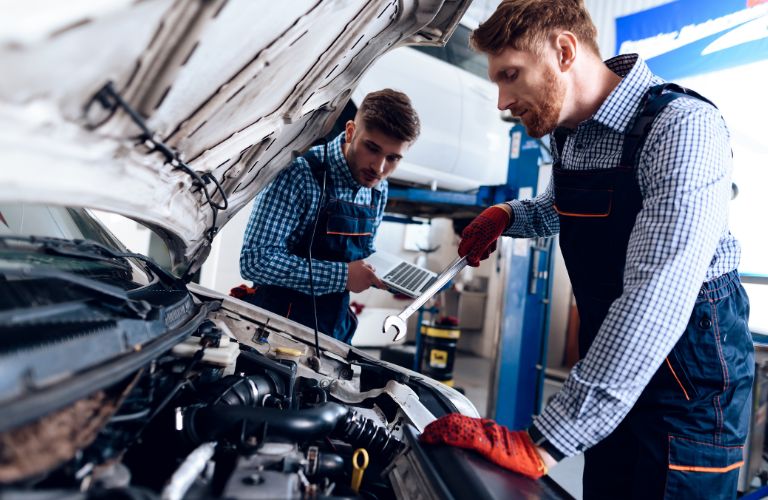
pixel 398 322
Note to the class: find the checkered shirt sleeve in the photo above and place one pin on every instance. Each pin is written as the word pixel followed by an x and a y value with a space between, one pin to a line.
pixel 680 239
pixel 281 214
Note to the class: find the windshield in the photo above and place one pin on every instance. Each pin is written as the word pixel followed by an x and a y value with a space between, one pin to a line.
pixel 24 220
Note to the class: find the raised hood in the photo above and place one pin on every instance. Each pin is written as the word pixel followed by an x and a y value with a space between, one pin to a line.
pixel 176 113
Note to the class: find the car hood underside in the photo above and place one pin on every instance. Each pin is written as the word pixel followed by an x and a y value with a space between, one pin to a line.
pixel 177 113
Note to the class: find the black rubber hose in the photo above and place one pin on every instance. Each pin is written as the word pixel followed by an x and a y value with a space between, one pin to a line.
pixel 211 423
pixel 235 390
pixel 363 432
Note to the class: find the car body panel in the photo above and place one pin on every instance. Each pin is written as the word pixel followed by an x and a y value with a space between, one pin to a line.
pixel 233 88
pixel 328 344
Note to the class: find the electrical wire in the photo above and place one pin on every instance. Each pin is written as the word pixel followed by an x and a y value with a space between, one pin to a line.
pixel 318 353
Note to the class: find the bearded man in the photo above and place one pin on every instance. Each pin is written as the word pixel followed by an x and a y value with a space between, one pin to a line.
pixel 660 400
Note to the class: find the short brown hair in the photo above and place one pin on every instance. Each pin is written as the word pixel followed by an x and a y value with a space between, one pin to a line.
pixel 390 112
pixel 526 25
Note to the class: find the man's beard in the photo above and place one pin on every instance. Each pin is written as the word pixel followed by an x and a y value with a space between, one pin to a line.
pixel 543 119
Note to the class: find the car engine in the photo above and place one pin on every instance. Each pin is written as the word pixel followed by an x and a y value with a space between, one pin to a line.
pixel 238 409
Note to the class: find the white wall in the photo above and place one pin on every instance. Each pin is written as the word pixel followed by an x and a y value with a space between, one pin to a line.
pixel 222 269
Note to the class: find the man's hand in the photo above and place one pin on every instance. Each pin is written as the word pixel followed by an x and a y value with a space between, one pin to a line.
pixel 360 277
pixel 478 239
pixel 512 450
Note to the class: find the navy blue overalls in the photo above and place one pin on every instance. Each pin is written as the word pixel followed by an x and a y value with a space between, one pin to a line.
pixel 683 438
pixel 344 234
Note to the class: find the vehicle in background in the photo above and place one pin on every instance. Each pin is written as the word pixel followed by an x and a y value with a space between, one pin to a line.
pixel 464 142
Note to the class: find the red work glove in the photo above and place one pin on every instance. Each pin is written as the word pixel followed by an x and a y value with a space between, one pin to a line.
pixel 478 239
pixel 512 450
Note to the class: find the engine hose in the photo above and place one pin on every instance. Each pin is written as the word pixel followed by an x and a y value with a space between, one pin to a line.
pixel 212 423
pixel 362 432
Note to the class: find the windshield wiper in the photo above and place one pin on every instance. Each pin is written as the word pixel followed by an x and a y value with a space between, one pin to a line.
pixel 43 313
pixel 89 249
pixel 137 308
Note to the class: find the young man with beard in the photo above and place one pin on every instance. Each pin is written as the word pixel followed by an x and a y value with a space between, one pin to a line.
pixel 659 402
pixel 330 201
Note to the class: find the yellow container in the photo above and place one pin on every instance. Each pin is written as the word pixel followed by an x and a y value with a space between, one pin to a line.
pixel 439 348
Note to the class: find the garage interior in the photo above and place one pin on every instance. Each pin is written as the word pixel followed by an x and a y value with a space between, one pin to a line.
pixel 505 334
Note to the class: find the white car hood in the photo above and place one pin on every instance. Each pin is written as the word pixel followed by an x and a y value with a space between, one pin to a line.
pixel 234 89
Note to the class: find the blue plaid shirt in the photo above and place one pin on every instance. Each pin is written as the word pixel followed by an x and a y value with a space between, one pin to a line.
pixel 285 210
pixel 680 239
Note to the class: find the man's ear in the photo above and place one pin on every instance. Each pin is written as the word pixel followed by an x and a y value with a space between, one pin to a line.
pixel 349 131
pixel 566 46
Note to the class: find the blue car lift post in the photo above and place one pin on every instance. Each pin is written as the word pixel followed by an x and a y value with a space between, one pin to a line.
pixel 518 376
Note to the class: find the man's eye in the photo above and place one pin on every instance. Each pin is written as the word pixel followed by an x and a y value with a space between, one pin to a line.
pixel 511 75
pixel 393 159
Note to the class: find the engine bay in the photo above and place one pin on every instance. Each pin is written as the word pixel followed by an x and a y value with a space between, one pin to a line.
pixel 241 408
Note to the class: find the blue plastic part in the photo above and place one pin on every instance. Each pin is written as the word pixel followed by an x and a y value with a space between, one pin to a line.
pixel 435 197
pixel 525 323
pixel 523 336
pixel 759 493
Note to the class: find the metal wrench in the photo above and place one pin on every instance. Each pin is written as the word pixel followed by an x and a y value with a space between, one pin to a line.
pixel 398 322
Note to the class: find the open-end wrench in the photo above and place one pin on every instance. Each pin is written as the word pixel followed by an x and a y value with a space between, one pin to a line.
pixel 398 322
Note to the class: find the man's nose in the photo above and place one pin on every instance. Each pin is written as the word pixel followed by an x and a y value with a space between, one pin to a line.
pixel 505 100
pixel 380 164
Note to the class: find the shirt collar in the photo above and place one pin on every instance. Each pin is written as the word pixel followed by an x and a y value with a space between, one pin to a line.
pixel 620 107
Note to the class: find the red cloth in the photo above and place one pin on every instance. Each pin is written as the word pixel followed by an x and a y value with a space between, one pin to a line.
pixel 512 450
pixel 447 321
pixel 357 307
pixel 242 291
pixel 478 239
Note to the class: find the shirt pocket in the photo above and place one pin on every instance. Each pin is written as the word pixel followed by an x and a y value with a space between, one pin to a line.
pixel 576 202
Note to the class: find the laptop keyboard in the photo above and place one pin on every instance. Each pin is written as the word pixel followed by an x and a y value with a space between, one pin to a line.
pixel 428 283
pixel 408 276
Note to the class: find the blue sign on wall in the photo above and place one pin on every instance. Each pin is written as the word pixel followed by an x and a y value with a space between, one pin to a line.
pixel 690 37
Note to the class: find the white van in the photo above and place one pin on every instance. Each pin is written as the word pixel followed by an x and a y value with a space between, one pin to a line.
pixel 463 142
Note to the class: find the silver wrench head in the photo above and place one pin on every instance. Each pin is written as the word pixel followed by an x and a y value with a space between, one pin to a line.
pixel 398 323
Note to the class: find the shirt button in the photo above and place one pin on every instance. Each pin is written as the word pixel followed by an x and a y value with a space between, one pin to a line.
pixel 579 146
pixel 705 323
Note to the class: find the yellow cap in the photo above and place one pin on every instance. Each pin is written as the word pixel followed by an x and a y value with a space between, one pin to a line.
pixel 441 333
pixel 288 351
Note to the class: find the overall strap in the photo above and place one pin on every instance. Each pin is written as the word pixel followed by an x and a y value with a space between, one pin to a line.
pixel 318 166
pixel 654 101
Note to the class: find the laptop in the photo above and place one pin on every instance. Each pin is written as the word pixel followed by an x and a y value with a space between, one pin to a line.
pixel 399 275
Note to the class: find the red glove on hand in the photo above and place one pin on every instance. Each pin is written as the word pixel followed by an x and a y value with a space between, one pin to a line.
pixel 512 450
pixel 478 239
